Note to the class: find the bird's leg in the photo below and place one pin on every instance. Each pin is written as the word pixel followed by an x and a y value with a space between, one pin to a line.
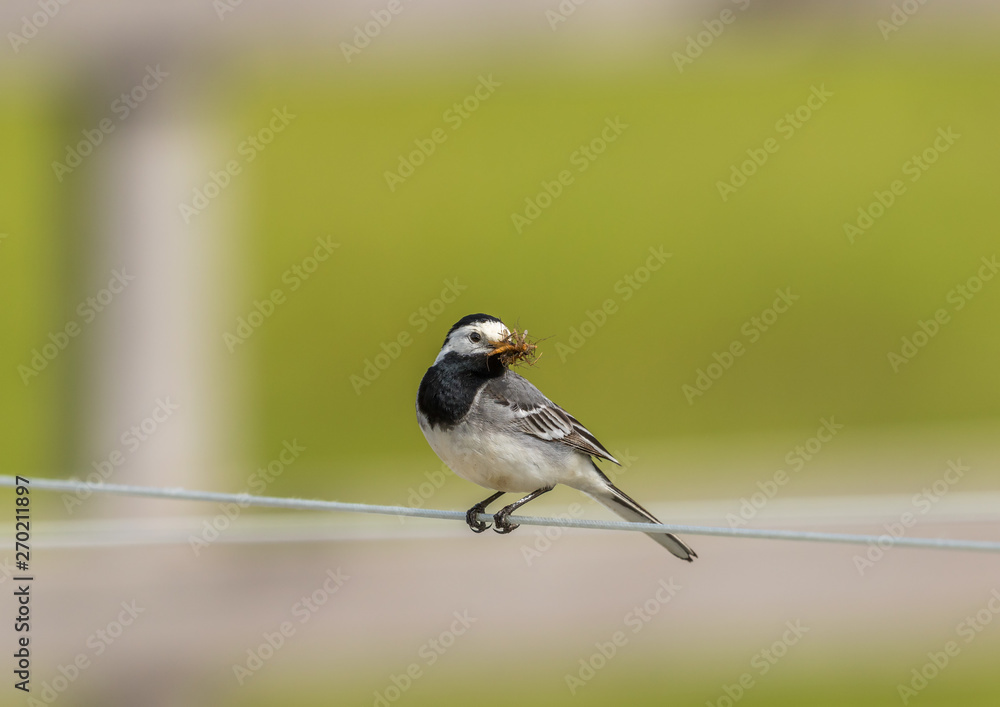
pixel 472 515
pixel 501 520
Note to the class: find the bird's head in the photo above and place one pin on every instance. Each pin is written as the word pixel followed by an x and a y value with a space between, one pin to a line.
pixel 484 337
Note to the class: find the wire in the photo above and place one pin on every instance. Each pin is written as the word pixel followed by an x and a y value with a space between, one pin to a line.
pixel 300 528
pixel 313 505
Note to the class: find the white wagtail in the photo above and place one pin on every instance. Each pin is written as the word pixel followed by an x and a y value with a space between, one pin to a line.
pixel 494 428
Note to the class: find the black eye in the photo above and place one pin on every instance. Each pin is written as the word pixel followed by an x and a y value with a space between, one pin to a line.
pixel 475 337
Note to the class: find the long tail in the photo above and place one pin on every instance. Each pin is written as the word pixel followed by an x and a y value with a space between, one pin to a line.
pixel 619 502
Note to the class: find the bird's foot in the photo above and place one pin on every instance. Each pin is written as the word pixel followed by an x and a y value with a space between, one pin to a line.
pixel 472 518
pixel 501 522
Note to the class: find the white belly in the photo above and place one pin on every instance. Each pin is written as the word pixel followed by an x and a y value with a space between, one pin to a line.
pixel 501 461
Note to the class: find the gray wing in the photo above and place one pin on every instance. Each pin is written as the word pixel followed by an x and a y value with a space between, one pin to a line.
pixel 538 416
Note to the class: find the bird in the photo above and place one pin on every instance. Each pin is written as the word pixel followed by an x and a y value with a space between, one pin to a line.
pixel 492 426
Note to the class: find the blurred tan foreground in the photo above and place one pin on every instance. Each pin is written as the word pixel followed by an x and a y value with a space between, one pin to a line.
pixel 415 611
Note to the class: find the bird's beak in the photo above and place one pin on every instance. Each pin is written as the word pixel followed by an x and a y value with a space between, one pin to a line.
pixel 512 348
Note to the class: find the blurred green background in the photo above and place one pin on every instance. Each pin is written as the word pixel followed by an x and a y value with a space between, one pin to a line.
pixel 655 187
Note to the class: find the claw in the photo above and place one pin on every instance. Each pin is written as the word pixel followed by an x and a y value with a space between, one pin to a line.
pixel 502 524
pixel 472 518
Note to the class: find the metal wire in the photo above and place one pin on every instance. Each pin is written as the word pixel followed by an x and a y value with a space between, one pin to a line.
pixel 180 494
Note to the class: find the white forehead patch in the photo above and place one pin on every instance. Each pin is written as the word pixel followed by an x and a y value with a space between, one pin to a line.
pixel 494 331
pixel 459 342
